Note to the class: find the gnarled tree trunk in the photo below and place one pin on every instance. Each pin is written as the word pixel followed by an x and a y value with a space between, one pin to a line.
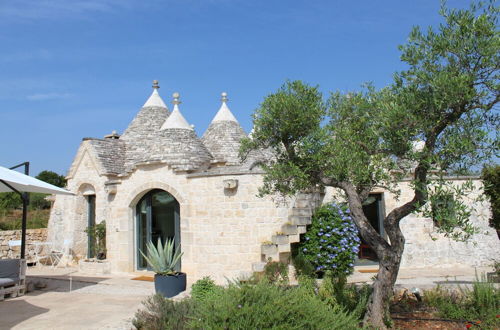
pixel 388 253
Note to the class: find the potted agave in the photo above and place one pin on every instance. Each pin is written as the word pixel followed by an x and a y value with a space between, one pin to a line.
pixel 163 259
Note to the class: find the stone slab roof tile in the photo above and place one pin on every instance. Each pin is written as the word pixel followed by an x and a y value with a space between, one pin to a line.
pixel 110 153
pixel 222 139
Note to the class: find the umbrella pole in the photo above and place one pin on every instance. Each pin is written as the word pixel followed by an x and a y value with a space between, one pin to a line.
pixel 24 225
pixel 25 198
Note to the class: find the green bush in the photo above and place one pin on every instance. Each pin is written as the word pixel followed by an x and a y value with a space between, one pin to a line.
pixel 335 291
pixel 251 306
pixel 276 272
pixel 332 242
pixel 481 303
pixel 267 306
pixel 203 288
pixel 491 179
pixel 160 313
pixel 302 266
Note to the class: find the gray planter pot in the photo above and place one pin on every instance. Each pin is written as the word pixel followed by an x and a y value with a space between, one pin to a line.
pixel 170 285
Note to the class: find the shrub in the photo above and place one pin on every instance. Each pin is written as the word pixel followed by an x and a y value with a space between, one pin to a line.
pixel 331 242
pixel 267 306
pixel 302 266
pixel 335 291
pixel 491 178
pixel 202 288
pixel 276 272
pixel 160 313
pixel 481 303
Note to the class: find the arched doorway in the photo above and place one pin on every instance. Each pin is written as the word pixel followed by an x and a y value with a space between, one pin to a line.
pixel 157 217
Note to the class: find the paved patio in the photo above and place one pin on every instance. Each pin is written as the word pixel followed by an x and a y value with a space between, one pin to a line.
pixel 72 300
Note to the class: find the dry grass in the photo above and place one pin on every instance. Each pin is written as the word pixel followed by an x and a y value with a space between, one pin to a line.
pixel 11 219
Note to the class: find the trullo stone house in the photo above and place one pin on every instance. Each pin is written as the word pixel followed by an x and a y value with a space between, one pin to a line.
pixel 159 179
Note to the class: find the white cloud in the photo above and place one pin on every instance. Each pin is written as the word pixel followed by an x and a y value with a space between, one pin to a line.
pixel 43 9
pixel 48 96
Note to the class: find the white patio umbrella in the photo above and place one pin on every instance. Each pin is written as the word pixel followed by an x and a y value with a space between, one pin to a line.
pixel 24 183
pixel 13 181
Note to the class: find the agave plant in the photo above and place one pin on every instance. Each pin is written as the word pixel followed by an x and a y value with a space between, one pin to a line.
pixel 163 258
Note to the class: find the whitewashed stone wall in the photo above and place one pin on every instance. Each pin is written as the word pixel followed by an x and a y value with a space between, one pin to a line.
pixel 221 230
pixel 425 247
pixel 69 214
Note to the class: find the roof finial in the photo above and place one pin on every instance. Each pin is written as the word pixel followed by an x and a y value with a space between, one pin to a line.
pixel 156 84
pixel 176 97
pixel 224 97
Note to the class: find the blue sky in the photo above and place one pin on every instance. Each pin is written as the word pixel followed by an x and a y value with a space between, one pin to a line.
pixel 81 68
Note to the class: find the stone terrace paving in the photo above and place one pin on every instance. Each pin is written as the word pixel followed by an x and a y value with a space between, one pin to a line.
pixel 110 301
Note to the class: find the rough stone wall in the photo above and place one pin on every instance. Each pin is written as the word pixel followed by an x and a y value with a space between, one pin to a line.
pixel 69 214
pixel 221 229
pixel 32 236
pixel 425 247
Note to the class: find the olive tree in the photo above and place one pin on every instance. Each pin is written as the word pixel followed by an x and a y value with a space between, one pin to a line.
pixel 436 117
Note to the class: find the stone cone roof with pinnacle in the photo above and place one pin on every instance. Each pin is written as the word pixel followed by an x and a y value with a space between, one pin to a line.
pixel 142 133
pixel 178 145
pixel 223 135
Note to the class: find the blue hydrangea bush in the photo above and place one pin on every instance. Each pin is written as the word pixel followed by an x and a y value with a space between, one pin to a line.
pixel 332 241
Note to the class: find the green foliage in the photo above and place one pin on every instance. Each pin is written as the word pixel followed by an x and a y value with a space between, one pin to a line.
pixel 97 234
pixel 336 292
pixel 38 201
pixel 52 178
pixel 481 303
pixel 302 266
pixel 287 122
pixel 276 272
pixel 332 242
pixel 267 306
pixel 11 220
pixel 160 313
pixel 203 288
pixel 262 305
pixel 491 179
pixel 163 259
pixel 10 200
pixel 451 215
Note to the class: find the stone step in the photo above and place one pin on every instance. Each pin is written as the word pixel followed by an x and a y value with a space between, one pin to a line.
pixel 300 221
pixel 294 238
pixel 289 229
pixel 259 266
pixel 302 203
pixel 280 239
pixel 303 211
pixel 269 249
pixel 302 229
pixel 284 248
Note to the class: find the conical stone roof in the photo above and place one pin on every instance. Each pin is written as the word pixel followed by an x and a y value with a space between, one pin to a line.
pixel 142 133
pixel 178 145
pixel 223 135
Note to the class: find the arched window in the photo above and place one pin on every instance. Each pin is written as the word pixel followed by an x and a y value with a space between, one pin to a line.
pixel 157 216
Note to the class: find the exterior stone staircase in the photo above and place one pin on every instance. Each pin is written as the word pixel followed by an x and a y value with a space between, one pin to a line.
pixel 279 248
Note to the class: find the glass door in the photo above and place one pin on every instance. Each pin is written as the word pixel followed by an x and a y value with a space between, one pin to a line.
pixel 90 224
pixel 157 219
